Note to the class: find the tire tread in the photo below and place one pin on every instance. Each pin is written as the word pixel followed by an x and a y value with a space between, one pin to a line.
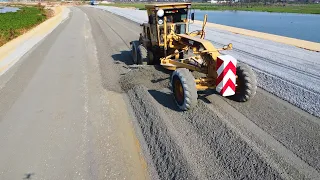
pixel 189 87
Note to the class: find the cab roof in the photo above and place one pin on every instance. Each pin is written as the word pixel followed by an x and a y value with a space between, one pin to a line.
pixel 167 5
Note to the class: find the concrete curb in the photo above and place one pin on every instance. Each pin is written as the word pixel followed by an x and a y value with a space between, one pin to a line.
pixel 12 51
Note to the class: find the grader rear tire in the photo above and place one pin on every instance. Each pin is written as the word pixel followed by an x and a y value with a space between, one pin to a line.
pixel 246 84
pixel 184 89
pixel 135 52
pixel 145 55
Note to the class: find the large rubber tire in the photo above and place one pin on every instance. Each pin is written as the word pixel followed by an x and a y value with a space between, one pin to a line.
pixel 150 58
pixel 184 89
pixel 135 52
pixel 246 83
pixel 146 56
pixel 143 53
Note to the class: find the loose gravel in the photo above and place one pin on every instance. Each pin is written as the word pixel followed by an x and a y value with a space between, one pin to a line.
pixel 167 157
pixel 200 144
pixel 223 147
pixel 292 72
pixel 152 77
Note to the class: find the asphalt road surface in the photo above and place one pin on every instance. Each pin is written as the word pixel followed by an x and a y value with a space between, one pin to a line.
pixel 58 121
pixel 75 107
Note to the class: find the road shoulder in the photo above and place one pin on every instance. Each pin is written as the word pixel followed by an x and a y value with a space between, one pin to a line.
pixel 12 51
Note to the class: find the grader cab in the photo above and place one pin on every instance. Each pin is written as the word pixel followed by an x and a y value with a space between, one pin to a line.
pixel 165 40
pixel 152 39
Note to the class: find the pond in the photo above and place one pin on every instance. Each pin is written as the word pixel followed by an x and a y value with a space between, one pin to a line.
pixel 300 26
pixel 8 9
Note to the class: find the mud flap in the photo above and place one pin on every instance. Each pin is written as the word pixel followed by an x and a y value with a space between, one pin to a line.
pixel 226 69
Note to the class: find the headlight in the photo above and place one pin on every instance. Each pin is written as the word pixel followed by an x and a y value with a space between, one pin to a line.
pixel 160 13
pixel 160 21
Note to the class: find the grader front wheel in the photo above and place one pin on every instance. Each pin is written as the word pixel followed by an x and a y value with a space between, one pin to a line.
pixel 184 89
pixel 246 84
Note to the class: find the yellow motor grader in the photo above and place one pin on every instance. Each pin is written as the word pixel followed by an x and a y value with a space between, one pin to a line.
pixel 165 40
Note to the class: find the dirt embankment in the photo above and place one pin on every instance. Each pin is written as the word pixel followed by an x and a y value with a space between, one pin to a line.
pixel 28 16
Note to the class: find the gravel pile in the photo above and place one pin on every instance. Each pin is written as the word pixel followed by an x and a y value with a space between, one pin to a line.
pixel 152 77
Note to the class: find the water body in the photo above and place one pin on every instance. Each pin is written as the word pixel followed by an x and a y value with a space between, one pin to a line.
pixel 300 26
pixel 8 9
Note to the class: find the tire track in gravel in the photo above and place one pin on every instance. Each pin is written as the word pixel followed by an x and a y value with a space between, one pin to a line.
pixel 199 144
pixel 167 156
pixel 211 148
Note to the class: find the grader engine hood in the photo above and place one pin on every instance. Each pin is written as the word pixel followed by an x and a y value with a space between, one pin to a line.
pixel 189 41
pixel 200 44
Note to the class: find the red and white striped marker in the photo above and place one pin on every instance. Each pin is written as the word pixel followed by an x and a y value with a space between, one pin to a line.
pixel 226 80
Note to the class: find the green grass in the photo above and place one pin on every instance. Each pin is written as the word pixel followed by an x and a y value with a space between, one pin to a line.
pixel 13 24
pixel 288 8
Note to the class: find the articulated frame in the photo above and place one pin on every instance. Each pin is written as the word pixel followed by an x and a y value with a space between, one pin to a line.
pixel 203 50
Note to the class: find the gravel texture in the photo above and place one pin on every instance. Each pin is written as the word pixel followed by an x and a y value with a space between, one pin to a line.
pixel 265 138
pixel 63 112
pixel 222 146
pixel 278 64
pixel 152 77
pixel 169 161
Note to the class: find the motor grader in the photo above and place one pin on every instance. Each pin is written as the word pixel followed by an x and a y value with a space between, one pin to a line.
pixel 166 40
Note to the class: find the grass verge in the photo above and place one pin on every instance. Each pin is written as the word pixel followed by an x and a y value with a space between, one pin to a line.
pixel 13 24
